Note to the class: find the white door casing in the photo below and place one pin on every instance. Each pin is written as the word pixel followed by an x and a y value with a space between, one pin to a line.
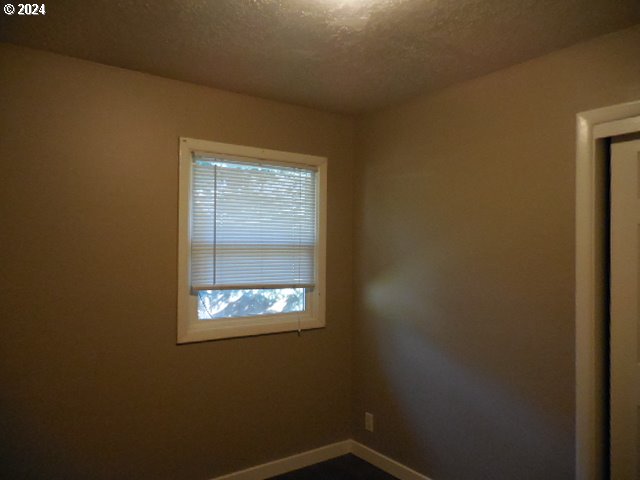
pixel 593 128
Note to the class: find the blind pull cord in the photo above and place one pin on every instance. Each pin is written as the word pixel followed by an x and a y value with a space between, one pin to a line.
pixel 215 224
pixel 299 243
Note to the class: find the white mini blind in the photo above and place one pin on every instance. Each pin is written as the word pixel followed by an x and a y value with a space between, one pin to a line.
pixel 253 225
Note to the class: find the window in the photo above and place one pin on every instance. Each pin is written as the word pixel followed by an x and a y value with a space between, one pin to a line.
pixel 251 241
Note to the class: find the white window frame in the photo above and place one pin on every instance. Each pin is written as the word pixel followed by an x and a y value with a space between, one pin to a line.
pixel 190 329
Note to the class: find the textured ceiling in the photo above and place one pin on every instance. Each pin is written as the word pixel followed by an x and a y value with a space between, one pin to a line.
pixel 340 55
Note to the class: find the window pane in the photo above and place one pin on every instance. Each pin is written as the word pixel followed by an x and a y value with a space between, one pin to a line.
pixel 214 304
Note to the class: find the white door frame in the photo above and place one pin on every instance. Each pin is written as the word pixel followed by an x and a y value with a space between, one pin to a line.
pixel 593 129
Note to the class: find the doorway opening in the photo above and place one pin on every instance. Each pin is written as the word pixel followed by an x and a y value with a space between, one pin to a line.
pixel 594 131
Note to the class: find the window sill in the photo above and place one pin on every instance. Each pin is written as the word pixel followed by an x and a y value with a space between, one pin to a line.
pixel 203 330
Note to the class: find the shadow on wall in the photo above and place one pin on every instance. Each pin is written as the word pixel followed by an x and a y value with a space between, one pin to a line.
pixel 452 405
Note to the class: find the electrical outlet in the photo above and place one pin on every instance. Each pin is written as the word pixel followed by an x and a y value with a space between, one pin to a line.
pixel 368 421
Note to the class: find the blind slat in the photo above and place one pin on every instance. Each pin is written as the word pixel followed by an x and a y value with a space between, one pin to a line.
pixel 252 225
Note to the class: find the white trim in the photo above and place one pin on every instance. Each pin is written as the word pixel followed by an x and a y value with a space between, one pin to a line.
pixel 592 127
pixel 311 457
pixel 288 464
pixel 389 465
pixel 617 127
pixel 253 153
pixel 189 329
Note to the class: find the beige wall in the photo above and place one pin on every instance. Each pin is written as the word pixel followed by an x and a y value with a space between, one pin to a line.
pixel 463 338
pixel 92 384
pixel 464 332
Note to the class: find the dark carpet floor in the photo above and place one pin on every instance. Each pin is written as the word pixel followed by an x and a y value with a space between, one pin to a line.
pixel 347 467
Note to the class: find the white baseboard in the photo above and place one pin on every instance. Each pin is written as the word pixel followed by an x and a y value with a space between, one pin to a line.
pixel 389 465
pixel 294 462
pixel 310 457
